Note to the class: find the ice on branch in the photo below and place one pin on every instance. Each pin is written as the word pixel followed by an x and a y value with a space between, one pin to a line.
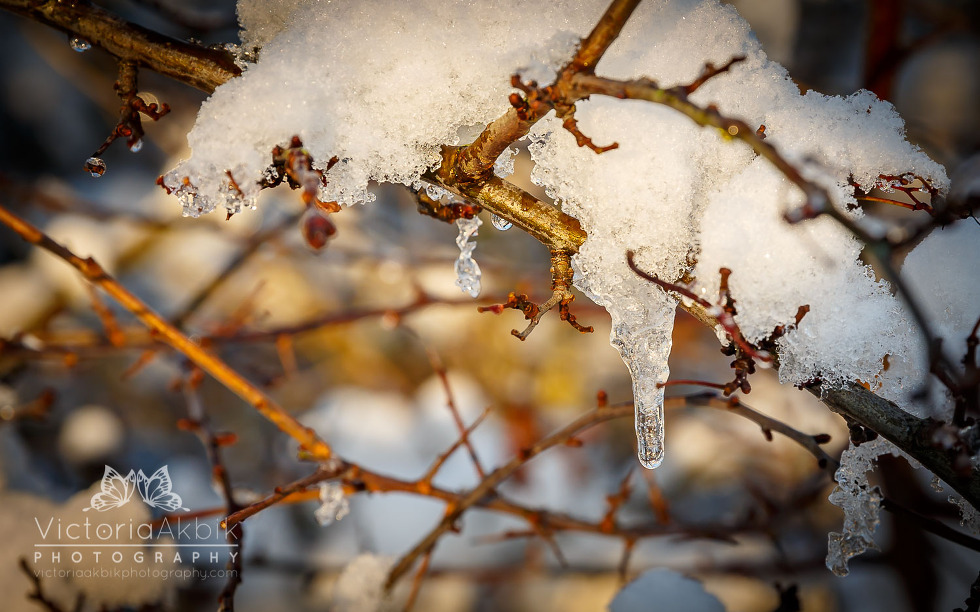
pixel 467 270
pixel 333 504
pixel 384 85
pixel 969 517
pixel 860 502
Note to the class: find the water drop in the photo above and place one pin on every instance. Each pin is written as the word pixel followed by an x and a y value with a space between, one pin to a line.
pixel 79 44
pixel 136 145
pixel 95 166
pixel 500 223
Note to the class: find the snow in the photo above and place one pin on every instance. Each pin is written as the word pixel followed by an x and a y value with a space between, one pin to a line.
pixel 90 433
pixel 951 308
pixel 360 587
pixel 384 85
pixel 664 589
pixel 65 579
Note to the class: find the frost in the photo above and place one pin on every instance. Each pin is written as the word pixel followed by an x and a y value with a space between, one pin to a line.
pixel 467 270
pixel 860 502
pixel 333 504
pixel 381 85
pixel 384 85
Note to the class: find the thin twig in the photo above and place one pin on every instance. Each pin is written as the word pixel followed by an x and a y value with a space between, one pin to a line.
pixel 169 334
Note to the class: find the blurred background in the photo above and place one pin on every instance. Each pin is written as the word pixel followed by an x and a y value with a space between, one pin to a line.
pixel 353 339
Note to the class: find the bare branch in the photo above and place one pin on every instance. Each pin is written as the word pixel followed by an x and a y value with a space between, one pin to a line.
pixel 169 334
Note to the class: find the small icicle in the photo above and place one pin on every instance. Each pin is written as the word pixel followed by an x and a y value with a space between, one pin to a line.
pixel 643 340
pixel 467 270
pixel 333 504
pixel 500 223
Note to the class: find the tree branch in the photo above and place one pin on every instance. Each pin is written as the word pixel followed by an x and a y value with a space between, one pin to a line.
pixel 198 66
pixel 915 436
pixel 169 334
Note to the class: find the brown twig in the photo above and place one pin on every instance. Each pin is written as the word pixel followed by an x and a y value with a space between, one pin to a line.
pixel 435 361
pixel 199 422
pixel 722 314
pixel 113 332
pixel 417 581
pixel 130 124
pixel 250 248
pixel 463 439
pixel 198 66
pixel 169 334
pixel 37 594
pixel 561 297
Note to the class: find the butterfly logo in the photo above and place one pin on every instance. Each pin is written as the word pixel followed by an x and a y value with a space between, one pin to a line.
pixel 117 490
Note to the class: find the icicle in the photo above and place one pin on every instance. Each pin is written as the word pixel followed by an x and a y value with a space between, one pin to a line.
pixel 467 270
pixel 643 339
pixel 333 504
pixel 860 502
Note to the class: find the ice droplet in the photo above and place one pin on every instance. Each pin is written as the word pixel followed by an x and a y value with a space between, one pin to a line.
pixel 500 223
pixel 136 145
pixel 333 504
pixel 95 166
pixel 643 339
pixel 467 270
pixel 79 44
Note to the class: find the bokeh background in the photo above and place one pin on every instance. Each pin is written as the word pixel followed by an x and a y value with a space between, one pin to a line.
pixel 361 374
